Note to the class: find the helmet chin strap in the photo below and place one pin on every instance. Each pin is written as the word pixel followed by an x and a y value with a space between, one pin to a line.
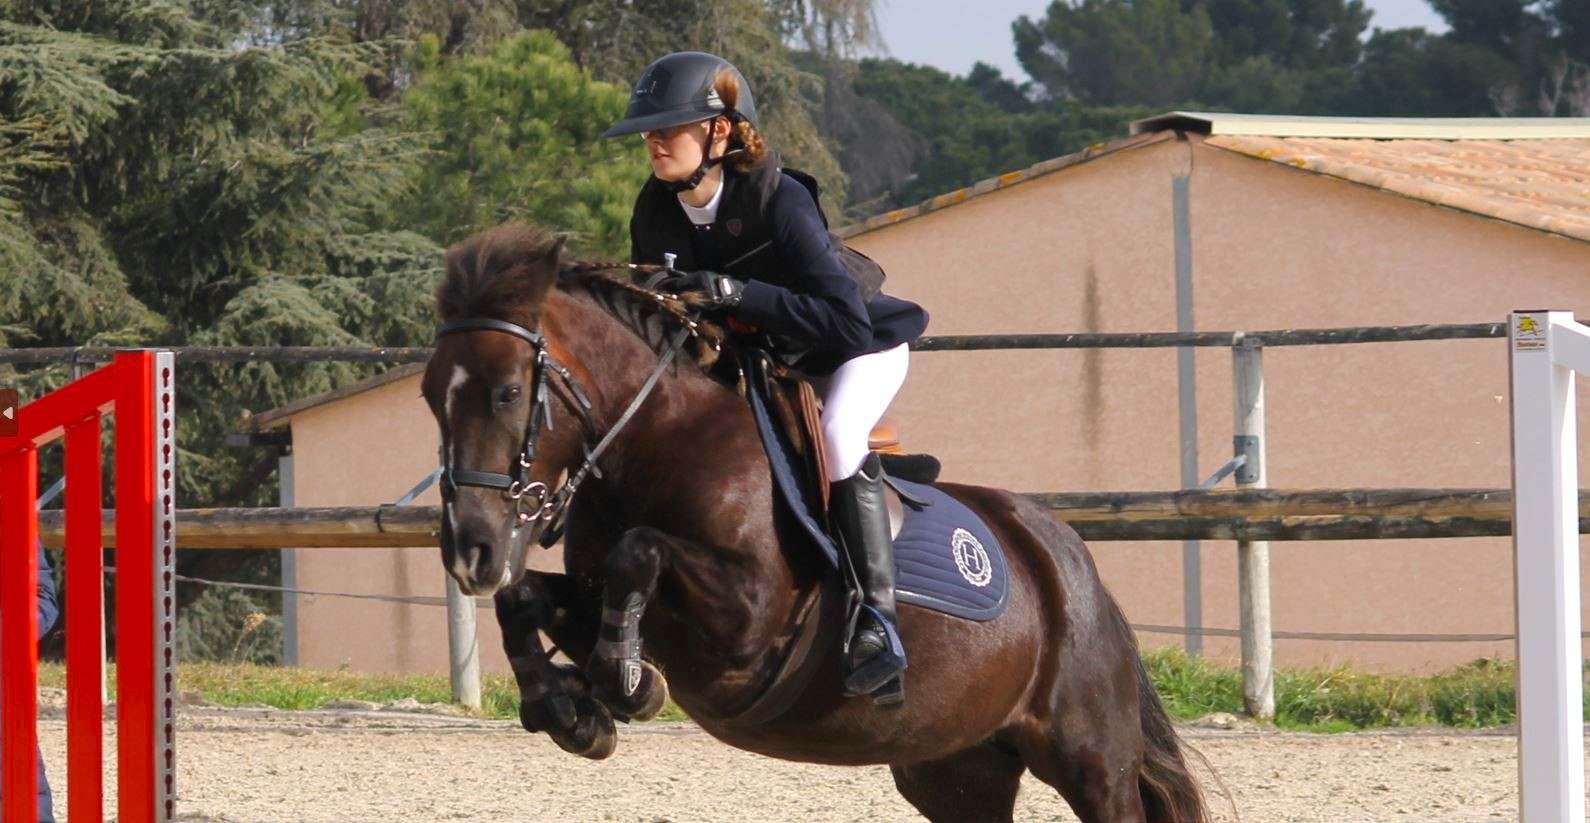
pixel 707 163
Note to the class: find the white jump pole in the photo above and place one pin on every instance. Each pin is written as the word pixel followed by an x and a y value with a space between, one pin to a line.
pixel 1546 348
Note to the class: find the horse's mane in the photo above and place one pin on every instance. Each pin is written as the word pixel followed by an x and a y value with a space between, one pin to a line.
pixel 507 273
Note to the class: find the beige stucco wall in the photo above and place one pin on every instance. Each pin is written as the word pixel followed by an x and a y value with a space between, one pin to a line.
pixel 1090 248
pixel 361 451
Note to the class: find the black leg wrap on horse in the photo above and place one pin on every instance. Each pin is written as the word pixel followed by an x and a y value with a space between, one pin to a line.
pixel 619 677
pixel 876 656
pixel 619 642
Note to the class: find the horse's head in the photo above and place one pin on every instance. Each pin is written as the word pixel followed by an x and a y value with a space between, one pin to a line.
pixel 507 432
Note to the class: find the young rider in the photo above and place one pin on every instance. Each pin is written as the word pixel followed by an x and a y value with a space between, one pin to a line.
pixel 751 236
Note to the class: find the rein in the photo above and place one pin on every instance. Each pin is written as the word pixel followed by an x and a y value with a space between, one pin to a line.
pixel 534 500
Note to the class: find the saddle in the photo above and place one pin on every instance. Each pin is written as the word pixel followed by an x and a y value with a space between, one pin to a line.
pixel 796 411
pixel 946 558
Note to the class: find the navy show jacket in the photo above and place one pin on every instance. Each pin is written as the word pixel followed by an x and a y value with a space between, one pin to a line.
pixel 770 233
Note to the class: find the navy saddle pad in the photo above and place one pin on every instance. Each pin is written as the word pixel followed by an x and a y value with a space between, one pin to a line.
pixel 945 556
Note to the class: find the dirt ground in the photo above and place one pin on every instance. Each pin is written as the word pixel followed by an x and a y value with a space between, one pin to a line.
pixel 400 764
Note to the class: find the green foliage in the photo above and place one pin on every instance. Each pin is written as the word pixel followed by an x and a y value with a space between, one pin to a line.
pixel 518 135
pixel 1501 57
pixel 1114 52
pixel 1411 73
pixel 174 186
pixel 1476 695
pixel 292 689
pixel 616 41
pixel 971 134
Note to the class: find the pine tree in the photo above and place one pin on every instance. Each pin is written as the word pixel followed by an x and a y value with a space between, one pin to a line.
pixel 518 136
pixel 171 186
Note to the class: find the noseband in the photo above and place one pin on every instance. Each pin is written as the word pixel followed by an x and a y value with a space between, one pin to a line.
pixel 534 500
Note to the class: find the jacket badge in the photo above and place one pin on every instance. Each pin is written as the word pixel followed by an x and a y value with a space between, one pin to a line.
pixel 733 226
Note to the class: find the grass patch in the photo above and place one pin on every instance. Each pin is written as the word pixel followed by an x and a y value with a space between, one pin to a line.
pixel 244 684
pixel 1477 695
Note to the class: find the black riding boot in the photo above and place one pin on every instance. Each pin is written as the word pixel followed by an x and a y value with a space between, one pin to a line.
pixel 876 656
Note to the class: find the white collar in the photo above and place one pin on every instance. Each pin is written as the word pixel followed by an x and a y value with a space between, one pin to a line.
pixel 704 215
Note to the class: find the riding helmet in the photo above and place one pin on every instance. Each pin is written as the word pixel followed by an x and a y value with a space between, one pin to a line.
pixel 681 88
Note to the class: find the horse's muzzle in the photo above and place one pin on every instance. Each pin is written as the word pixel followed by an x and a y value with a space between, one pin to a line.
pixel 481 558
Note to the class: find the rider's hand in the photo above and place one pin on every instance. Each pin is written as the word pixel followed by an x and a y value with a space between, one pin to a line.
pixel 722 291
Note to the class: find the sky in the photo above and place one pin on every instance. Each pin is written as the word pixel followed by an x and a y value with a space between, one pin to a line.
pixel 950 35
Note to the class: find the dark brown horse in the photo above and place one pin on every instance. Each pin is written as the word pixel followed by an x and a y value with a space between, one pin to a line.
pixel 675 536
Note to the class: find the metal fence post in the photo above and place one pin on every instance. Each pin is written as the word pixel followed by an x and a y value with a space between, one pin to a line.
pixel 1187 411
pixel 287 494
pixel 1253 557
pixel 463 646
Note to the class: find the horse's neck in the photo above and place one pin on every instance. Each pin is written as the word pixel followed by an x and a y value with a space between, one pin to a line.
pixel 613 361
pixel 689 464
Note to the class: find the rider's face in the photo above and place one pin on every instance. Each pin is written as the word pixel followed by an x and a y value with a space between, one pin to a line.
pixel 676 152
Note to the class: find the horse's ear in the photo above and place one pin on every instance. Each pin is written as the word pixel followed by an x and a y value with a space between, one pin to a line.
pixel 557 245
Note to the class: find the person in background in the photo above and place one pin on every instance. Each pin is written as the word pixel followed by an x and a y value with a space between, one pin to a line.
pixel 48 612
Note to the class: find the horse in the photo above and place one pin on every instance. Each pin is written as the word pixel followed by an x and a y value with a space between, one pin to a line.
pixel 672 536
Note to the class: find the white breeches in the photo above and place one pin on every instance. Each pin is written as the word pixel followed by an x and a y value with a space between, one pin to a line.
pixel 855 397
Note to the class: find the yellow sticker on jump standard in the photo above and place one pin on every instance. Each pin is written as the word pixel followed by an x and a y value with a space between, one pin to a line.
pixel 1528 333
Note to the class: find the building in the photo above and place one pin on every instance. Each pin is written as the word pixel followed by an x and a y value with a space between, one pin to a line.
pixel 1196 221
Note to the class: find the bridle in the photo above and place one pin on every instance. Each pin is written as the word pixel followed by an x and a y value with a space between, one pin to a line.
pixel 534 500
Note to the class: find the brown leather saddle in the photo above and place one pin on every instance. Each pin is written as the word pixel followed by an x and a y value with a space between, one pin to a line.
pixel 798 412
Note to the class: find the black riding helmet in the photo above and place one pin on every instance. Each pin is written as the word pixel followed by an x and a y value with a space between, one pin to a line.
pixel 681 88
pixel 678 89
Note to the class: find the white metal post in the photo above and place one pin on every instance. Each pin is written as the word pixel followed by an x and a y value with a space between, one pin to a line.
pixel 1253 557
pixel 287 495
pixel 463 646
pixel 1543 345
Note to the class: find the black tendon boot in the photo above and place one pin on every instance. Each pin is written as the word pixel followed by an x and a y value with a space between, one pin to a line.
pixel 876 657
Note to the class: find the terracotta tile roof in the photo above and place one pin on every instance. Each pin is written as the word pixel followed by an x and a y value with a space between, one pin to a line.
pixel 1542 184
pixel 1532 171
pixel 1004 181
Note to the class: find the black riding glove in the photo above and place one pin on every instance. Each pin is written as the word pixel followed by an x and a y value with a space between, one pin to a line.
pixel 722 291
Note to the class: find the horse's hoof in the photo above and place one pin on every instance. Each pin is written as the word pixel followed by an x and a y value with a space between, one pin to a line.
pixel 555 711
pixel 593 736
pixel 526 719
pixel 651 695
pixel 643 703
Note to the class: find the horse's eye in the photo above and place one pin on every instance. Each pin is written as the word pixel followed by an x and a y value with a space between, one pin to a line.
pixel 508 395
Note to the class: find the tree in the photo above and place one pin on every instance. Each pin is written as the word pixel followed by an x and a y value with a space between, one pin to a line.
pixel 1412 73
pixel 996 88
pixel 969 136
pixel 1291 34
pixel 518 135
pixel 165 182
pixel 170 186
pixel 1543 42
pixel 1110 52
pixel 615 42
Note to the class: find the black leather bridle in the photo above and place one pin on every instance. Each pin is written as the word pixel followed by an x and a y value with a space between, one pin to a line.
pixel 534 499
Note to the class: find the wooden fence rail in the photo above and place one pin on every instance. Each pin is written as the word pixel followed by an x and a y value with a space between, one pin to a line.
pixel 1243 514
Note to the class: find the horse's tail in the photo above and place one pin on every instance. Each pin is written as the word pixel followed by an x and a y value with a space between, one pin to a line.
pixel 1168 789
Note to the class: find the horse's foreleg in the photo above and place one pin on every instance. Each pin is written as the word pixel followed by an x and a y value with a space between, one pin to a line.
pixel 573 615
pixel 552 698
pixel 630 686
